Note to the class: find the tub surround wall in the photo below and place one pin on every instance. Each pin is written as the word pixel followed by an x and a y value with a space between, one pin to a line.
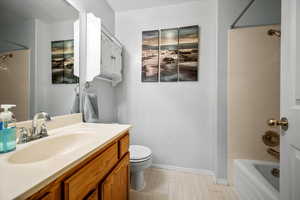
pixel 17 78
pixel 24 33
pixel 253 92
pixel 176 120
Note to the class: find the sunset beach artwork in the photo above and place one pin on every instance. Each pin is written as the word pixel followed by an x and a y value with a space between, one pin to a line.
pixel 188 52
pixel 171 55
pixel 150 56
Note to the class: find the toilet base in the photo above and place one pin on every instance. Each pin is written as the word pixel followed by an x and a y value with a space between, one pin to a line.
pixel 137 180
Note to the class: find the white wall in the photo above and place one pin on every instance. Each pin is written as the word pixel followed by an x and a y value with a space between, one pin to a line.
pixel 176 120
pixel 262 12
pixel 24 33
pixel 56 99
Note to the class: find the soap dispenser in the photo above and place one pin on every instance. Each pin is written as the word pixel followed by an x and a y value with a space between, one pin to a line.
pixel 7 129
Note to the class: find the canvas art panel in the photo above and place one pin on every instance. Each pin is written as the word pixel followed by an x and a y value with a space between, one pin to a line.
pixel 150 54
pixel 188 51
pixel 169 55
pixel 62 53
pixel 69 62
pixel 57 62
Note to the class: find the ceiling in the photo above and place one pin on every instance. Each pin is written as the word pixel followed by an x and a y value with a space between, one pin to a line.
pixel 124 5
pixel 12 11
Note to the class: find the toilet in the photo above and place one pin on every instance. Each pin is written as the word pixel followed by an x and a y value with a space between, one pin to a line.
pixel 140 159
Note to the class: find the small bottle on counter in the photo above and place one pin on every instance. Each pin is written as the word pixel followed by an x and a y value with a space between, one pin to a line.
pixel 7 129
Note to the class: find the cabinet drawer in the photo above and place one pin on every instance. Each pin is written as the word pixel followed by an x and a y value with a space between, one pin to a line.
pixel 85 180
pixel 123 146
pixel 48 196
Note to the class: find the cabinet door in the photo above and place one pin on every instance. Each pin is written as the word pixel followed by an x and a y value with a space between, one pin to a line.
pixel 48 196
pixel 92 196
pixel 116 185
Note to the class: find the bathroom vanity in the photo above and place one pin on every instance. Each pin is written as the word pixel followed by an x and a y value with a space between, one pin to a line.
pixel 80 161
pixel 102 175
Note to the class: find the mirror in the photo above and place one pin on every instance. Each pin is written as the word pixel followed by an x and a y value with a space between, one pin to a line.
pixel 37 57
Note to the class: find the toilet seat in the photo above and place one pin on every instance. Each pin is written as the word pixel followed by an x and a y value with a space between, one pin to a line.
pixel 139 153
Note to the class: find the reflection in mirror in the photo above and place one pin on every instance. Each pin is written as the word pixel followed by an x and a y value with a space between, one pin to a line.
pixel 37 57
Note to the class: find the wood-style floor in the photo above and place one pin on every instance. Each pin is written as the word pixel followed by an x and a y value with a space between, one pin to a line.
pixel 173 185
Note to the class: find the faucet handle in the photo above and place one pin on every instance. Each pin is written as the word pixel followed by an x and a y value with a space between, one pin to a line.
pixel 24 134
pixel 47 117
pixel 44 130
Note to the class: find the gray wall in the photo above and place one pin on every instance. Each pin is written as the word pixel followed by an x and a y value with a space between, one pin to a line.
pixel 262 12
pixel 176 120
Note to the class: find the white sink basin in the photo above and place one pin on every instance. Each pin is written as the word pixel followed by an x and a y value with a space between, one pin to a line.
pixel 50 147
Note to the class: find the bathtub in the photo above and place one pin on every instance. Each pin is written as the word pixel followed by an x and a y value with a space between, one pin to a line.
pixel 253 180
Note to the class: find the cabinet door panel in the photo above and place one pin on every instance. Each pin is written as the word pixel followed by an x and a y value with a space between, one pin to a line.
pixel 115 186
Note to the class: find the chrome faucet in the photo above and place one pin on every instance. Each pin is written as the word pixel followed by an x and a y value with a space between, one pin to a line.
pixel 37 131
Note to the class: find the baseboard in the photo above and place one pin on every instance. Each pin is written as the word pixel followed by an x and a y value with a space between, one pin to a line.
pixel 183 169
pixel 221 181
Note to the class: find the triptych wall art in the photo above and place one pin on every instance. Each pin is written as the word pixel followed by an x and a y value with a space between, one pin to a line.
pixel 170 55
pixel 62 58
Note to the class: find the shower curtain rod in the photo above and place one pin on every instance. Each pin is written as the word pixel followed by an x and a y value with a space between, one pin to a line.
pixel 16 44
pixel 111 36
pixel 242 14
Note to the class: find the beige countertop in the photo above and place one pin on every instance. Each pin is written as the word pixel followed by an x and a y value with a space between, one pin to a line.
pixel 21 180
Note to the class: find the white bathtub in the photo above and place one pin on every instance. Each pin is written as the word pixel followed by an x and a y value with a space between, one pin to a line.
pixel 253 180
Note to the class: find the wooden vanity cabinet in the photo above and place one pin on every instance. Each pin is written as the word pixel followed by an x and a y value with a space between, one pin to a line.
pixel 102 176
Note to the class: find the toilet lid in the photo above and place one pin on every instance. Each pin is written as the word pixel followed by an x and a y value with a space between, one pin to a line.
pixel 138 152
